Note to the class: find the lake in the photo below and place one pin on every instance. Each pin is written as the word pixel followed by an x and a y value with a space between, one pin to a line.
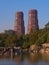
pixel 25 59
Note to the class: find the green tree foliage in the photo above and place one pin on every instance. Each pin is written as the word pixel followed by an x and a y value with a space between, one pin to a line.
pixel 19 40
pixel 7 39
pixel 42 39
pixel 33 37
pixel 48 38
pixel 10 41
pixel 2 38
pixel 25 41
pixel 28 40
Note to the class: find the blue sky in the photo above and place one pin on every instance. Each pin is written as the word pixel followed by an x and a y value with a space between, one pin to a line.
pixel 8 8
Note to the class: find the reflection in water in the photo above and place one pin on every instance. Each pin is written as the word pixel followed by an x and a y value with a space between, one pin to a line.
pixel 45 57
pixel 25 59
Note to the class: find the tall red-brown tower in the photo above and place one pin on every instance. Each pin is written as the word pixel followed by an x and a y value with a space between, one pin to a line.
pixel 32 21
pixel 19 23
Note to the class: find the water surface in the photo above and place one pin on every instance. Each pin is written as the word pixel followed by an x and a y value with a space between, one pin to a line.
pixel 25 59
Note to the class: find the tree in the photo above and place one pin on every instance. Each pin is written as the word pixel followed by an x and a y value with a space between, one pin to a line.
pixel 42 39
pixel 48 38
pixel 25 41
pixel 10 41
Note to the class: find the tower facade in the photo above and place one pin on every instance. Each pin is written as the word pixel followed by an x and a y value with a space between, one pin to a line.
pixel 19 23
pixel 32 21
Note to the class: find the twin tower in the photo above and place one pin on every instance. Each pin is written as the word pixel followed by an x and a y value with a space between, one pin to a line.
pixel 32 22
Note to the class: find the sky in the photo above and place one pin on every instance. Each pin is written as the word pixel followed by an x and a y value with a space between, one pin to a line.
pixel 8 8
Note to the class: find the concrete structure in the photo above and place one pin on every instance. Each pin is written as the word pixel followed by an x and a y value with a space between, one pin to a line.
pixel 19 23
pixel 32 21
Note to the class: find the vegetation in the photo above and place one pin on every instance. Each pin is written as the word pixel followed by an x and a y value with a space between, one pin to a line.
pixel 10 38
